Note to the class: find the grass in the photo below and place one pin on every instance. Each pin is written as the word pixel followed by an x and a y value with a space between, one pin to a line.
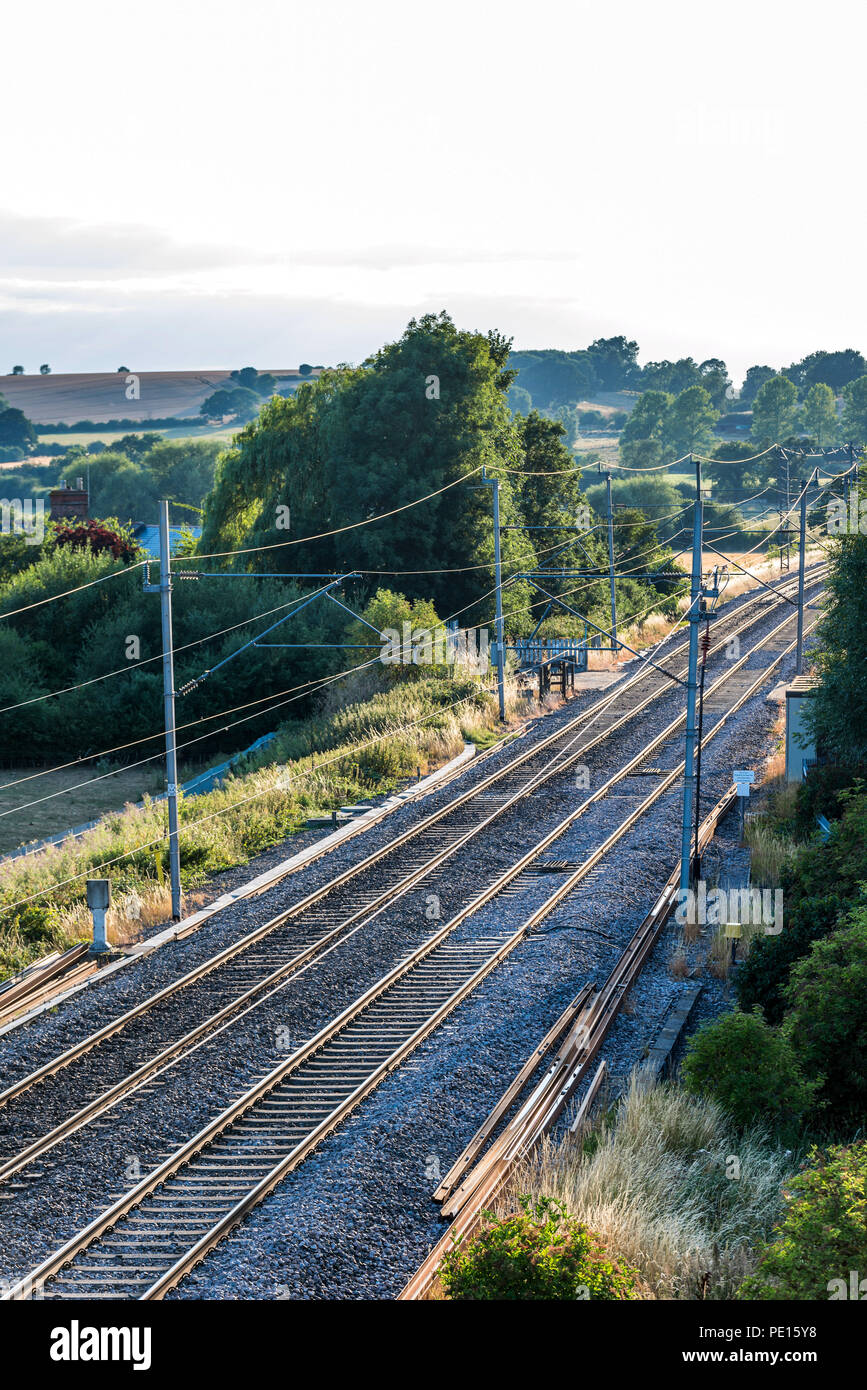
pixel 655 1180
pixel 341 755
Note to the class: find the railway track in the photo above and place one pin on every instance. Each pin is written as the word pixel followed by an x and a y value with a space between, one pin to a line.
pixel 169 1025
pixel 144 1243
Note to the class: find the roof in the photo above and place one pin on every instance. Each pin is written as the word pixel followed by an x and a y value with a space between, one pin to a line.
pixel 802 685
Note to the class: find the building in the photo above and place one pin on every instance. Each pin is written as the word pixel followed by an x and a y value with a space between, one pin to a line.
pixel 800 743
pixel 68 502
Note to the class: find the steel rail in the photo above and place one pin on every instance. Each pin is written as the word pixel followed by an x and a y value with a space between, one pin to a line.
pixel 183 1045
pixel 264 1088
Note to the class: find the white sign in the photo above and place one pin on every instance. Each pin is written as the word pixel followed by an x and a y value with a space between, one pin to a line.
pixel 743 776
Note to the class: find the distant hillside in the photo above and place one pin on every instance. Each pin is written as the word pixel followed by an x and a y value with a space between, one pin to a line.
pixel 98 396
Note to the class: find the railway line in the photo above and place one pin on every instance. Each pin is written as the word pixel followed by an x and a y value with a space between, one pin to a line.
pixel 138 1044
pixel 145 1240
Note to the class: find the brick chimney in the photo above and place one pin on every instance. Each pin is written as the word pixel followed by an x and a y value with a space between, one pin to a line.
pixel 68 502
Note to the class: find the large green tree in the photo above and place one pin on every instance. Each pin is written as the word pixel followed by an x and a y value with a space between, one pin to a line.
pixel 689 420
pixel 775 411
pixel 643 438
pixel 819 415
pixel 420 417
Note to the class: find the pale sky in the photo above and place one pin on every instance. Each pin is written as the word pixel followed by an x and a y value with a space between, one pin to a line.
pixel 214 185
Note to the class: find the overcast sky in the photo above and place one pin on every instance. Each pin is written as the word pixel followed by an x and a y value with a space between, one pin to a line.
pixel 211 185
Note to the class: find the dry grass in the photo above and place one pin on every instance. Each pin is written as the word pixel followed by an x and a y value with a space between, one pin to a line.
pixel 769 853
pixel 652 1181
pixel 678 965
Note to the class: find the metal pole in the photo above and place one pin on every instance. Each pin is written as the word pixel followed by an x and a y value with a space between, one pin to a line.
pixel 802 552
pixel 705 643
pixel 611 563
pixel 169 711
pixel 501 686
pixel 691 689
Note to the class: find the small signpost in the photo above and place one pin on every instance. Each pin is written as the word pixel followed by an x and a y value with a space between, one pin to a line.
pixel 743 778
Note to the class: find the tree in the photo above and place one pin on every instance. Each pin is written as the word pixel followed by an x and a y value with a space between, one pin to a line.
pixel 645 426
pixel 749 1067
pixel 820 413
pixel 360 441
pixel 753 381
pixel 239 401
pixel 855 410
pixel 305 369
pixel 123 369
pixel 16 431
pixel 775 411
pixel 733 471
pixel 716 380
pixel 688 421
pixel 18 371
pixel 555 378
pixel 835 368
pixel 263 383
pixel 45 370
pixel 819 886
pixel 826 1019
pixel 670 376
pixel 615 361
pixel 839 707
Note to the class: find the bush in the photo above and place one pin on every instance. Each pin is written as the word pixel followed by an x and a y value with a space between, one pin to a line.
pixel 750 1068
pixel 823 1235
pixel 827 1019
pixel 537 1253
pixel 819 885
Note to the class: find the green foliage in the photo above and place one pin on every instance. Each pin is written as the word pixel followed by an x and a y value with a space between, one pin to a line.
pixel 555 378
pixel 689 421
pixel 131 478
pixel 819 416
pixel 838 712
pixel 775 411
pixel 753 381
pixel 362 441
pixel 823 1235
pixel 538 1253
pixel 835 368
pixel 819 885
pixel 854 410
pixel 239 401
pixel 16 431
pixel 826 1022
pixel 749 1067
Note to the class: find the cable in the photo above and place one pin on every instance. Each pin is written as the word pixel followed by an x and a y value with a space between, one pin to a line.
pixel 146 661
pixel 338 530
pixel 115 574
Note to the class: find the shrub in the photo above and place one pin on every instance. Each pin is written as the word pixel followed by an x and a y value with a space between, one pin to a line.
pixel 823 1235
pixel 539 1252
pixel 827 1018
pixel 819 885
pixel 750 1068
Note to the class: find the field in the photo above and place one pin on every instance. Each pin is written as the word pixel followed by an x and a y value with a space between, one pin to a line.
pixel 60 813
pixel 66 398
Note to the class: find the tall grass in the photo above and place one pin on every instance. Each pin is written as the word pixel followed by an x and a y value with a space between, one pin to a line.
pixel 652 1181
